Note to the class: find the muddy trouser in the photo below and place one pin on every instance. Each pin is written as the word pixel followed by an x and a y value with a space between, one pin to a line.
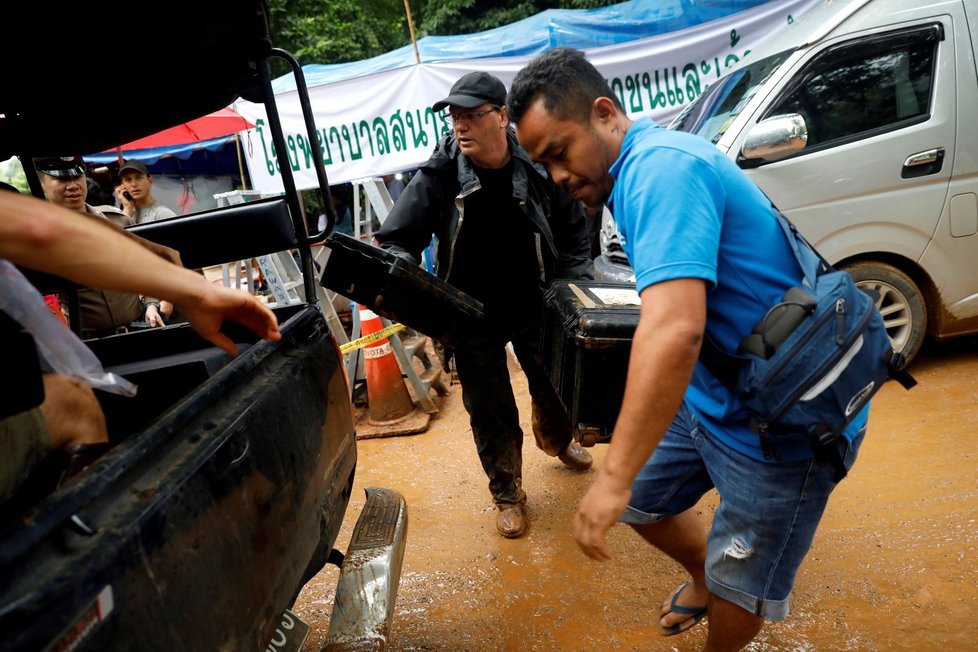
pixel 487 395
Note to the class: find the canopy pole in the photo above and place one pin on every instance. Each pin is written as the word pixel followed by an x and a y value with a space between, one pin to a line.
pixel 414 41
pixel 237 149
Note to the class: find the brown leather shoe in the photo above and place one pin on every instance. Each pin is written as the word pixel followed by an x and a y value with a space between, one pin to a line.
pixel 511 520
pixel 575 457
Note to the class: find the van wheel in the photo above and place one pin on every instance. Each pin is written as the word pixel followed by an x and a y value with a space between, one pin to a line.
pixel 900 302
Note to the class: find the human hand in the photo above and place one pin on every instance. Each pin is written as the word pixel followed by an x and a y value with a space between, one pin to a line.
pixel 218 303
pixel 166 308
pixel 125 201
pixel 599 510
pixel 152 315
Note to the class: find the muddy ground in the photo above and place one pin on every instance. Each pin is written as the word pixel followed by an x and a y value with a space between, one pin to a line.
pixel 893 566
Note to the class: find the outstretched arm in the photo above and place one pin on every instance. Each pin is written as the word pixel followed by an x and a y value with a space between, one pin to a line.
pixel 52 239
pixel 665 349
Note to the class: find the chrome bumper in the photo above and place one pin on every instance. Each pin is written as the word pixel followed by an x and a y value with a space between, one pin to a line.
pixel 367 586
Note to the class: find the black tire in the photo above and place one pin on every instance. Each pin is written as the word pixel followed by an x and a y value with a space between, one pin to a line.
pixel 900 301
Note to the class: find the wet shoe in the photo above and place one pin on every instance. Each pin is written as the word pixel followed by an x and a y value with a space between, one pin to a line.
pixel 511 520
pixel 575 457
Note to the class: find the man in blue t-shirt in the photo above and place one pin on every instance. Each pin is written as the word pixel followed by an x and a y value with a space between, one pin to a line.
pixel 709 259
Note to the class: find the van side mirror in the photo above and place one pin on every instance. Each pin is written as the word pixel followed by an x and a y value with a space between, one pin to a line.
pixel 774 139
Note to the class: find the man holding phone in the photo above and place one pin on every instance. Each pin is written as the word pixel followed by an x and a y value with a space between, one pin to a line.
pixel 135 193
pixel 103 312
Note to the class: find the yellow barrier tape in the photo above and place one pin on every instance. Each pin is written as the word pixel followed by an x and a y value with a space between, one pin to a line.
pixel 373 337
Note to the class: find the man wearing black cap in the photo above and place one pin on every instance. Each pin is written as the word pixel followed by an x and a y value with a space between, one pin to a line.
pixel 136 194
pixel 103 312
pixel 504 230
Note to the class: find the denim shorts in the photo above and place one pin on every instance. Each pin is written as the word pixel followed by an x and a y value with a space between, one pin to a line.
pixel 766 518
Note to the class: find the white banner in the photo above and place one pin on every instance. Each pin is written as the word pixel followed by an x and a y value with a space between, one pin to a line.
pixel 383 122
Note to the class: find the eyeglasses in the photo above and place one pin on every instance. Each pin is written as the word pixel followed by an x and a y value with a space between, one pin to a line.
pixel 470 116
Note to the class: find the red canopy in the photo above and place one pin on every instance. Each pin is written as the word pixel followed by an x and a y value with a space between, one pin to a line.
pixel 225 122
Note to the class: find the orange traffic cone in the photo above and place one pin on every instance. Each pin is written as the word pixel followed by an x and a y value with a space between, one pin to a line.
pixel 391 411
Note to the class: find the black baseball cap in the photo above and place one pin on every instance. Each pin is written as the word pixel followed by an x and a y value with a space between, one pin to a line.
pixel 474 89
pixel 64 167
pixel 136 166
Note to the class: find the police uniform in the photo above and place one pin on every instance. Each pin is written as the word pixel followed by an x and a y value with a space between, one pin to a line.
pixel 102 312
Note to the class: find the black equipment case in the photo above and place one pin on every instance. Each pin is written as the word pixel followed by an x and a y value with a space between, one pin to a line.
pixel 587 338
pixel 395 288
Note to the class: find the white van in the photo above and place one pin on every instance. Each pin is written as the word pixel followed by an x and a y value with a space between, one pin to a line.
pixel 860 121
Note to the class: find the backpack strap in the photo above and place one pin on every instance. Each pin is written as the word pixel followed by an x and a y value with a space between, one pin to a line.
pixel 897 363
pixel 811 261
pixel 724 366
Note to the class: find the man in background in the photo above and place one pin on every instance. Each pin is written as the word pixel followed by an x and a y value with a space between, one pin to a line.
pixel 504 231
pixel 103 312
pixel 135 192
pixel 44 412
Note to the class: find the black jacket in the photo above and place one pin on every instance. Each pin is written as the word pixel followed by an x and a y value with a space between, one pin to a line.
pixel 434 204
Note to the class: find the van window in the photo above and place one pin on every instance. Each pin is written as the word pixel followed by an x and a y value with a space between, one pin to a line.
pixel 865 87
pixel 712 112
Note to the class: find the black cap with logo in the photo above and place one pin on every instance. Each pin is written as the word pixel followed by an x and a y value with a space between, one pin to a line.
pixel 64 167
pixel 136 166
pixel 472 90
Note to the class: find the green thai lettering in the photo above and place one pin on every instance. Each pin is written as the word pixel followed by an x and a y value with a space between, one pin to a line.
pixel 334 138
pixel 292 153
pixel 419 136
pixel 358 154
pixel 634 93
pixel 364 130
pixel 324 146
pixel 267 149
pixel 692 77
pixel 304 145
pixel 397 131
pixel 380 131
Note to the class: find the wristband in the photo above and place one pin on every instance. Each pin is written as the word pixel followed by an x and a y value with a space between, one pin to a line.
pixel 147 304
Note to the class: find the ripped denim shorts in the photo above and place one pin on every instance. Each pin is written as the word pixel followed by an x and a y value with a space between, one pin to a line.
pixel 766 519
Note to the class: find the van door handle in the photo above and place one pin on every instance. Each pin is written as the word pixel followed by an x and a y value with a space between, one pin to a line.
pixel 923 163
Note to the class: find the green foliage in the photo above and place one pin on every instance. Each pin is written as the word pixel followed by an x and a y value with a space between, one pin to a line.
pixel 12 172
pixel 338 31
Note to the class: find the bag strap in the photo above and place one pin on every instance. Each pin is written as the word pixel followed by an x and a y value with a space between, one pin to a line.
pixel 724 366
pixel 811 261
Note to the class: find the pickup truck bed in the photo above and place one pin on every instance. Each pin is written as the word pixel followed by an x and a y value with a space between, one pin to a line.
pixel 225 489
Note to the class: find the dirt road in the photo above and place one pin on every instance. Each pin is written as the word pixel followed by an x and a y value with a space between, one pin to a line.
pixel 894 565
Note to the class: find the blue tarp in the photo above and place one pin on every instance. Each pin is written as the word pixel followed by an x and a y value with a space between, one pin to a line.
pixel 578 28
pixel 152 156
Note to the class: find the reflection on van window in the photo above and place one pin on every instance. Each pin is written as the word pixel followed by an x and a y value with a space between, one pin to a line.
pixel 852 91
pixel 711 114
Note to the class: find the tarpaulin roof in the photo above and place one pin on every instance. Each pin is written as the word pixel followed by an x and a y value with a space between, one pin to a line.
pixel 578 28
pixel 151 155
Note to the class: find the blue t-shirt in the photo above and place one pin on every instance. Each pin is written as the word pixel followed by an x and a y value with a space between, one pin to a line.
pixel 685 210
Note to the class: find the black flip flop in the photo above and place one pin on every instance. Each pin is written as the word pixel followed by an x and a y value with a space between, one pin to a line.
pixel 696 614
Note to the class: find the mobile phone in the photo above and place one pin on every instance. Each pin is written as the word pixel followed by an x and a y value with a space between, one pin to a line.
pixel 125 193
